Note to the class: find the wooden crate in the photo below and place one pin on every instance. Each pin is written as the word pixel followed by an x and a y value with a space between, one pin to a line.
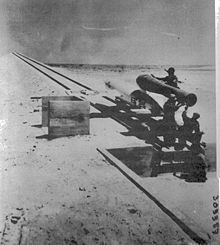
pixel 68 118
pixel 45 101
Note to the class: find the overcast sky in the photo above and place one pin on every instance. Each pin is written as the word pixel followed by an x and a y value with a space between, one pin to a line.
pixel 157 32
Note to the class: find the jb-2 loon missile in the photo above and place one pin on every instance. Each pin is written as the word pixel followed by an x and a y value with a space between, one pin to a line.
pixel 151 84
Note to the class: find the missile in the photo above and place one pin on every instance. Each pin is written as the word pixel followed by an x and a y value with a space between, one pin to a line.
pixel 151 84
pixel 132 94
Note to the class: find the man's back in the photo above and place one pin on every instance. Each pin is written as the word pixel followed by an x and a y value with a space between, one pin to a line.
pixel 171 80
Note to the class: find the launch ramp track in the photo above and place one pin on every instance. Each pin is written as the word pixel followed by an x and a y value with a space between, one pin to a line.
pixel 124 119
pixel 50 69
pixel 128 124
pixel 34 63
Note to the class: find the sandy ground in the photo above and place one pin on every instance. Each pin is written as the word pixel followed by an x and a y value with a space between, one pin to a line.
pixel 64 192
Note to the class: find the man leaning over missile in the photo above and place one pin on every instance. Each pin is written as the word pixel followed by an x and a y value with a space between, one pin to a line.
pixel 171 79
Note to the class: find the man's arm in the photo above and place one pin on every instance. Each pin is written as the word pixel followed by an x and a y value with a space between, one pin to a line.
pixel 177 80
pixel 197 128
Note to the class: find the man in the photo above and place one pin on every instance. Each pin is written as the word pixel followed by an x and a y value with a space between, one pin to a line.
pixel 191 125
pixel 169 109
pixel 190 129
pixel 171 79
pixel 169 122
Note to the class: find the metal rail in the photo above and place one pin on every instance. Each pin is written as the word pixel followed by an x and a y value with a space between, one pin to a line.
pixel 55 80
pixel 50 69
pixel 25 58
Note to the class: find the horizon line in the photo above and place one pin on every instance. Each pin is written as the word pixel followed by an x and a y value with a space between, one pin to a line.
pixel 154 65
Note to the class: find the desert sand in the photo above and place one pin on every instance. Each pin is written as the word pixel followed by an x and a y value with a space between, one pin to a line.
pixel 62 191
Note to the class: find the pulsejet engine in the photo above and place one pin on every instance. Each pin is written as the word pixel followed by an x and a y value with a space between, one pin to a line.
pixel 150 84
pixel 137 95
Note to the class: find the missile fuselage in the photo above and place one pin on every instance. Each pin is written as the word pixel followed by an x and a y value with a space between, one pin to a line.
pixel 135 96
pixel 146 83
pixel 151 84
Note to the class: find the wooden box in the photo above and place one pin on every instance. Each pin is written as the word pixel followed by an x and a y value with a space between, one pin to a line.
pixel 68 118
pixel 45 101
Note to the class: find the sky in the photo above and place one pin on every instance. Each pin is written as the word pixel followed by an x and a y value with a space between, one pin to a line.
pixel 145 32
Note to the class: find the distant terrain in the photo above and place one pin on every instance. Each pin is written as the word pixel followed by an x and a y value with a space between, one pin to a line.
pixel 105 67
